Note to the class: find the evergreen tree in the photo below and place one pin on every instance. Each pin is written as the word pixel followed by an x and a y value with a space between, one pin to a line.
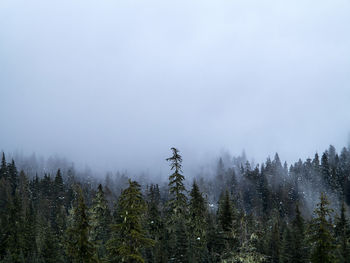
pixel 321 237
pixel 227 226
pixel 50 252
pixel 225 213
pixel 275 243
pixel 299 250
pixel 15 237
pixel 79 248
pixel 288 248
pixel 5 208
pixel 342 234
pixel 177 210
pixel 325 170
pixel 155 225
pixel 215 239
pixel 178 199
pixel 3 167
pixel 197 225
pixel 248 253
pixel 13 176
pixel 100 219
pixel 129 236
pixel 29 234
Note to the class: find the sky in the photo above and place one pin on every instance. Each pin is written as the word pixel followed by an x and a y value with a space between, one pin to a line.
pixel 114 84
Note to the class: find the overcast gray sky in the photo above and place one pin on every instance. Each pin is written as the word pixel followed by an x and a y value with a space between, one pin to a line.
pixel 115 84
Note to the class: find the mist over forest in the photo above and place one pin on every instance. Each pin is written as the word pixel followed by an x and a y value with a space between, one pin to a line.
pixel 237 211
pixel 174 131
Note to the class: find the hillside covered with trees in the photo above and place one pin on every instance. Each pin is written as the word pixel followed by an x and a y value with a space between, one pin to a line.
pixel 244 213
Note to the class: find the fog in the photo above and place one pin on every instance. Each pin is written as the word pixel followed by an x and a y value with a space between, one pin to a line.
pixel 115 84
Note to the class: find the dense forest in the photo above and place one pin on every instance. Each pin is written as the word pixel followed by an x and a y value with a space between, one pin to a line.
pixel 243 213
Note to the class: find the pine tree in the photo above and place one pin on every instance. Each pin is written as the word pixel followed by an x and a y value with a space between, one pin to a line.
pixel 275 242
pixel 14 241
pixel 299 250
pixel 29 235
pixel 51 252
pixel 215 239
pixel 100 219
pixel 5 208
pixel 3 167
pixel 342 233
pixel 155 225
pixel 79 248
pixel 248 252
pixel 287 248
pixel 227 225
pixel 321 237
pixel 178 199
pixel 13 175
pixel 197 225
pixel 177 210
pixel 325 170
pixel 129 236
pixel 225 213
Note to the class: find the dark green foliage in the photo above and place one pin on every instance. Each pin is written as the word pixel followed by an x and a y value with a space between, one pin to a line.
pixel 129 236
pixel 79 248
pixel 256 220
pixel 155 225
pixel 197 225
pixel 342 232
pixel 14 240
pixel 12 176
pixel 228 229
pixel 275 243
pixel 288 247
pixel 178 199
pixel 321 237
pixel 225 213
pixel 50 252
pixel 299 250
pixel 177 211
pixel 100 219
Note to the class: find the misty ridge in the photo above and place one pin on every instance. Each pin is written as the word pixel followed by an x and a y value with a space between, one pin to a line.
pixel 302 181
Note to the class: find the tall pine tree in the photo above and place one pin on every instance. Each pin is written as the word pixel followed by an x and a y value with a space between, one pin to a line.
pixel 321 236
pixel 79 248
pixel 177 210
pixel 129 237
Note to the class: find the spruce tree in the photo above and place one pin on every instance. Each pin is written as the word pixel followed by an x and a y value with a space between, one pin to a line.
pixel 100 219
pixel 177 210
pixel 13 176
pixel 287 247
pixel 342 232
pixel 129 237
pixel 155 225
pixel 177 190
pixel 299 250
pixel 248 252
pixel 197 225
pixel 275 242
pixel 227 226
pixel 3 167
pixel 325 170
pixel 79 248
pixel 321 236
pixel 225 213
pixel 50 252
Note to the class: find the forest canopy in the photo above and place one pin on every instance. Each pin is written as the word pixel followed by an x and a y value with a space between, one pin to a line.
pixel 263 213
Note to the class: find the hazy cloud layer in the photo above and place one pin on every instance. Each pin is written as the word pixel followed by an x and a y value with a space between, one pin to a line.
pixel 115 84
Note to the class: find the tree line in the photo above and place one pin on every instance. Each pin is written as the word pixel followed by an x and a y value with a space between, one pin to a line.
pixel 243 214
